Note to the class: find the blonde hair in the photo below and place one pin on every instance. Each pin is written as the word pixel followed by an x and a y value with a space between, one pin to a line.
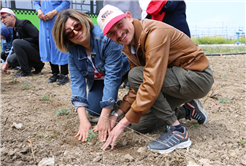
pixel 62 43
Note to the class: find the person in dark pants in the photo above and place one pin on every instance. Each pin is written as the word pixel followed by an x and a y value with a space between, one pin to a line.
pixel 25 45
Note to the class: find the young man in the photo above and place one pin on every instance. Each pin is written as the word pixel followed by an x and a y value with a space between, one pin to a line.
pixel 167 69
pixel 25 45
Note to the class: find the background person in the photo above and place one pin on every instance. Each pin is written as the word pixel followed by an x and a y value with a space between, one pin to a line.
pixel 94 61
pixel 25 45
pixel 170 12
pixel 167 69
pixel 6 35
pixel 47 11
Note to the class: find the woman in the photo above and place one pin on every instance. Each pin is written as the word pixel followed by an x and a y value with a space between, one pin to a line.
pixel 6 36
pixel 47 11
pixel 95 61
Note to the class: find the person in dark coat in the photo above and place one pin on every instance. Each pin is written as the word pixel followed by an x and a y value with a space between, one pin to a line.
pixel 169 12
pixel 25 45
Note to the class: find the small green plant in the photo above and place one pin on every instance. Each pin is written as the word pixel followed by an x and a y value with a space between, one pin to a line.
pixel 25 86
pixel 91 135
pixel 40 136
pixel 13 80
pixel 46 97
pixel 34 88
pixel 224 74
pixel 241 143
pixel 34 79
pixel 50 137
pixel 62 112
pixel 223 100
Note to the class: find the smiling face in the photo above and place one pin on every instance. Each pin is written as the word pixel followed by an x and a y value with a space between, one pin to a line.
pixel 74 33
pixel 122 32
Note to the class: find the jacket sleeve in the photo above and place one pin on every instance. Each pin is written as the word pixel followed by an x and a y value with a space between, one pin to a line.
pixel 31 31
pixel 113 74
pixel 36 5
pixel 78 84
pixel 64 5
pixel 170 6
pixel 154 72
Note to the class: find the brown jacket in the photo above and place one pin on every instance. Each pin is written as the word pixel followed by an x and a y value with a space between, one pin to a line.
pixel 158 47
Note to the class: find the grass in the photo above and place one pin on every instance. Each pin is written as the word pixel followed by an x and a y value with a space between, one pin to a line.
pixel 211 50
pixel 217 40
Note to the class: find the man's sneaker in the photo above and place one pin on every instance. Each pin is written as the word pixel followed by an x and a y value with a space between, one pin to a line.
pixel 196 111
pixel 22 74
pixel 53 78
pixel 38 69
pixel 63 79
pixel 170 140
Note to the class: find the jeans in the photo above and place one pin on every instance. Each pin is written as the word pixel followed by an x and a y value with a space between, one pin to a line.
pixel 95 96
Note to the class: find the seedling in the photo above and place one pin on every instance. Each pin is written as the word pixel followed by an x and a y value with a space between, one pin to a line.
pixel 46 97
pixel 91 135
pixel 34 79
pixel 241 143
pixel 34 88
pixel 25 86
pixel 62 112
pixel 50 137
pixel 14 80
pixel 223 100
pixel 40 136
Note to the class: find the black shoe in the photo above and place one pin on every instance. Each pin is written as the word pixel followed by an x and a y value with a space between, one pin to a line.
pixel 63 79
pixel 38 69
pixel 53 78
pixel 196 111
pixel 22 74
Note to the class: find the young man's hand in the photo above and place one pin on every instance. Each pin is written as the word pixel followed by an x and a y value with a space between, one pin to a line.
pixel 115 133
pixel 5 67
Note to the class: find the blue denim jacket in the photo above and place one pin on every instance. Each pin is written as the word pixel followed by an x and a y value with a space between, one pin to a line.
pixel 107 58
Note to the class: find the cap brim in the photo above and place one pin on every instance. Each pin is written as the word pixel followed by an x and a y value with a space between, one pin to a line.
pixel 112 22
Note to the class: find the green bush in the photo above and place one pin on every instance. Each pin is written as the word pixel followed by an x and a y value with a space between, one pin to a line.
pixel 216 40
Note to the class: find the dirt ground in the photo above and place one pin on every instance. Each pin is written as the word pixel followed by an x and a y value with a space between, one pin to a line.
pixel 33 102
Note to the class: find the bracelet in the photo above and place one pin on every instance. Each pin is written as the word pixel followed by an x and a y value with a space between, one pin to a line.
pixel 114 113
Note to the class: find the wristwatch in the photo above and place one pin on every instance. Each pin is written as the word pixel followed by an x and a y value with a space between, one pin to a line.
pixel 115 114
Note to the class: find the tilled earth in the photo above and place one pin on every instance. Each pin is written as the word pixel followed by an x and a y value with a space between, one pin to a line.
pixel 33 102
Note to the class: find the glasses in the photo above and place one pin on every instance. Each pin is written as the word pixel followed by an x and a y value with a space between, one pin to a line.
pixel 3 17
pixel 77 27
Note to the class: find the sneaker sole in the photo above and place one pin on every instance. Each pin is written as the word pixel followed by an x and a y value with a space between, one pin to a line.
pixel 179 146
pixel 200 107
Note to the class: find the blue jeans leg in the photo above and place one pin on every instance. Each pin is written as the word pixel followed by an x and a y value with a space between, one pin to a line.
pixel 94 98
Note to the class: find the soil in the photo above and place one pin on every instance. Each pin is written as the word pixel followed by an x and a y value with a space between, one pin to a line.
pixel 33 102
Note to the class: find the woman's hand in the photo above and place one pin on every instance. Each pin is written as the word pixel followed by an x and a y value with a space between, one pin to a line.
pixel 84 126
pixel 41 15
pixel 83 132
pixel 115 133
pixel 103 126
pixel 50 14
